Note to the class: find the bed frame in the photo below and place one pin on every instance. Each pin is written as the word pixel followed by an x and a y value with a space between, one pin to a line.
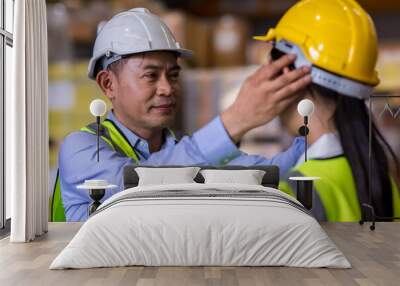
pixel 270 179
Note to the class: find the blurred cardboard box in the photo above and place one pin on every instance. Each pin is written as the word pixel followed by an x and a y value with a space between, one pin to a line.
pixel 156 7
pixel 229 41
pixel 257 52
pixel 193 34
pixel 83 18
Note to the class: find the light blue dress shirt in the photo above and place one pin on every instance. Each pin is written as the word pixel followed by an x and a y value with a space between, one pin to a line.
pixel 210 145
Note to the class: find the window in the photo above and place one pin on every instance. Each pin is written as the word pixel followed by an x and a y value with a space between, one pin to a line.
pixel 6 44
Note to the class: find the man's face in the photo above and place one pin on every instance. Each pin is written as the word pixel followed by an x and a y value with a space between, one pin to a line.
pixel 146 91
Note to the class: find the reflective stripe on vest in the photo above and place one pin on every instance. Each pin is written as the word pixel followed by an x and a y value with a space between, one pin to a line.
pixel 111 134
pixel 337 189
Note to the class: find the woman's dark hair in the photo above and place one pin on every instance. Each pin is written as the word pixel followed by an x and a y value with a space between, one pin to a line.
pixel 351 118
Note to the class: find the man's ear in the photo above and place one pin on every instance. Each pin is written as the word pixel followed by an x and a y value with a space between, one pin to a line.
pixel 107 82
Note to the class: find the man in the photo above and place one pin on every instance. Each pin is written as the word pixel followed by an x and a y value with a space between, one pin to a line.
pixel 135 64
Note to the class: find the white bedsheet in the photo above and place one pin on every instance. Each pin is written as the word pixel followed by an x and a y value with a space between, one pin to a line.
pixel 183 231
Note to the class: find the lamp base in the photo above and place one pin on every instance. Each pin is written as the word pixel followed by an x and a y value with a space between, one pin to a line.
pixel 304 193
pixel 96 195
pixel 305 190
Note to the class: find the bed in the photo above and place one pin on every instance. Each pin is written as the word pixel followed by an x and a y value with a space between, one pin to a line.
pixel 201 224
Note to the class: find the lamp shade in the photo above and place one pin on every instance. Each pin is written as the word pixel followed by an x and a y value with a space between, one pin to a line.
pixel 98 107
pixel 305 107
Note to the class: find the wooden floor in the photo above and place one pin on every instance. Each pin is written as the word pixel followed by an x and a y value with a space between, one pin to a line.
pixel 375 257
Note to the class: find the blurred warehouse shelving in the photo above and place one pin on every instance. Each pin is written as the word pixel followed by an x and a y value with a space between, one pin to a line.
pixel 220 34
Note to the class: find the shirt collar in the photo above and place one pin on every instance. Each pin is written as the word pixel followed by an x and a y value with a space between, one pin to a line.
pixel 139 144
pixel 327 146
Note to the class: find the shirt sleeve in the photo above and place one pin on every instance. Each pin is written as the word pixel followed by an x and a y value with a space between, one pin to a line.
pixel 210 145
pixel 285 160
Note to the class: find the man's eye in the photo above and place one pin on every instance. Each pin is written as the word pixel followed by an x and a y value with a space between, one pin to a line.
pixel 174 76
pixel 151 76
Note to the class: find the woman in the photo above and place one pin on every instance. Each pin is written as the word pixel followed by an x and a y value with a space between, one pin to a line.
pixel 338 154
pixel 337 38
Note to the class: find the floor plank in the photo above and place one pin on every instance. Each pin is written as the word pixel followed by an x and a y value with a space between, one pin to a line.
pixel 375 257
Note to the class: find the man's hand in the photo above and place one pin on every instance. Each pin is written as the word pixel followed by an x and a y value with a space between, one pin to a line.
pixel 264 95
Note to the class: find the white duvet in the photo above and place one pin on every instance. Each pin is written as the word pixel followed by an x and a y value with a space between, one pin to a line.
pixel 143 226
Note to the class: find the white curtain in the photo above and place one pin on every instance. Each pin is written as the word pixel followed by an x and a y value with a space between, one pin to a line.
pixel 27 123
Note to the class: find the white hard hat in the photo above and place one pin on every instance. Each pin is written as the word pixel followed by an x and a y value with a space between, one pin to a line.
pixel 133 31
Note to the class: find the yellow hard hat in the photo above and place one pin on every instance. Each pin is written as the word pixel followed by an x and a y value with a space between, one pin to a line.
pixel 336 35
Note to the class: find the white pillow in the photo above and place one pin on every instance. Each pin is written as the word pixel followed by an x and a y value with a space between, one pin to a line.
pixel 248 177
pixel 162 176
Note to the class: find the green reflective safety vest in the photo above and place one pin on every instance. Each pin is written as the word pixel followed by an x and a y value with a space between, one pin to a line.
pixel 111 134
pixel 336 190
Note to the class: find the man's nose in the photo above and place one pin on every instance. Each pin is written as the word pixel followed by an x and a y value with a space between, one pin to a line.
pixel 164 87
